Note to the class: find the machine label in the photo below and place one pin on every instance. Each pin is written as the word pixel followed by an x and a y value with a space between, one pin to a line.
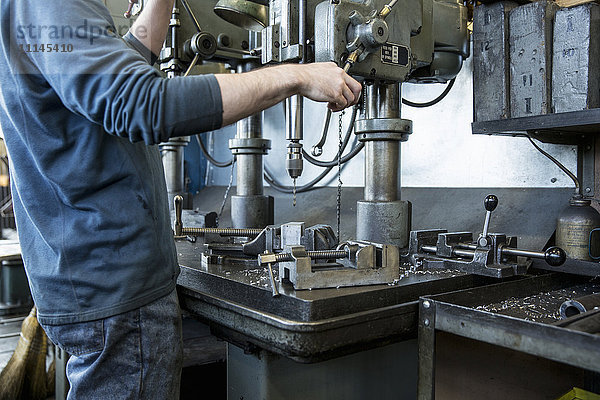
pixel 394 54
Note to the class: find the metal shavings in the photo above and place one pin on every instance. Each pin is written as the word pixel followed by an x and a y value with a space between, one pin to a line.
pixel 408 270
pixel 541 307
pixel 254 277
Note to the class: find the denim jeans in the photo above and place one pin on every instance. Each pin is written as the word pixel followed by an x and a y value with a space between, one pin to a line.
pixel 134 355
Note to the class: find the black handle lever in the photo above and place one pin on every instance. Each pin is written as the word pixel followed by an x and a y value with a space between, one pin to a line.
pixel 490 203
pixel 555 256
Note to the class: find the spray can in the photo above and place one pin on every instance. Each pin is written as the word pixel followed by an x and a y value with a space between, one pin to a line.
pixel 574 227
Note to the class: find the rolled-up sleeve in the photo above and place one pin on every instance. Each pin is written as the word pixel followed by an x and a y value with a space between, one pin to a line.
pixel 98 75
pixel 138 46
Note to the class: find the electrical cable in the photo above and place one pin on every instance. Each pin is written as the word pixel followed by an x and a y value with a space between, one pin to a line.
pixel 432 102
pixel 219 164
pixel 558 164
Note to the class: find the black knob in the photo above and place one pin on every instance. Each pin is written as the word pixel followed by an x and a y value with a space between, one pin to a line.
pixel 490 203
pixel 555 256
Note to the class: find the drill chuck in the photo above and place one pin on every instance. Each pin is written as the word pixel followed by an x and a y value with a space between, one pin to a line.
pixel 294 162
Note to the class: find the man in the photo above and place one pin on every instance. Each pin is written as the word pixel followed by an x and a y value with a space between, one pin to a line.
pixel 82 111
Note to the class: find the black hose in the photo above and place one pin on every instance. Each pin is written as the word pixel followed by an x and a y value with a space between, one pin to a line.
pixel 334 162
pixel 219 164
pixel 310 185
pixel 434 101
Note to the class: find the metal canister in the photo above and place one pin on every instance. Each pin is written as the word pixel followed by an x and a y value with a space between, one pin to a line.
pixel 574 227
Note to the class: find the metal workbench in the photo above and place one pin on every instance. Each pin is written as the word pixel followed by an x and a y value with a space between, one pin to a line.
pixel 320 324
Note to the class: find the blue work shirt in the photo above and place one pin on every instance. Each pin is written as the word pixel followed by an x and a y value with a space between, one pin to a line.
pixel 82 118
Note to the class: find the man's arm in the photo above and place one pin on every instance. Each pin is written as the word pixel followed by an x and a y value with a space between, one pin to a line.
pixel 248 93
pixel 112 85
pixel 151 26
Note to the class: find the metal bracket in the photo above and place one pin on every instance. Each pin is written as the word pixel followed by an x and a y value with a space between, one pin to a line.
pixel 586 152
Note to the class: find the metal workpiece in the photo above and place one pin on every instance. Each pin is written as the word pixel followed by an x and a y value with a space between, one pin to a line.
pixel 576 58
pixel 384 222
pixel 252 211
pixel 531 58
pixel 579 305
pixel 491 67
pixel 314 238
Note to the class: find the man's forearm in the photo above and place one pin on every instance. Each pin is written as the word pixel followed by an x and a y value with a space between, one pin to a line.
pixel 251 92
pixel 152 24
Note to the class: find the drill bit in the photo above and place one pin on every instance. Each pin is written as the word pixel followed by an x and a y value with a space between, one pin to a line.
pixel 294 194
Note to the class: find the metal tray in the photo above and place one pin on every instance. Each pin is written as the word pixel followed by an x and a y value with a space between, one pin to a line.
pixel 500 314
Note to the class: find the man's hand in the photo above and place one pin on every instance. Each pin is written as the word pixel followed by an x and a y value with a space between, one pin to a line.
pixel 326 82
pixel 248 93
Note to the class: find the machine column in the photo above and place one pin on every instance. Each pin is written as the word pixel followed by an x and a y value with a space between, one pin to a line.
pixel 250 208
pixel 382 217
